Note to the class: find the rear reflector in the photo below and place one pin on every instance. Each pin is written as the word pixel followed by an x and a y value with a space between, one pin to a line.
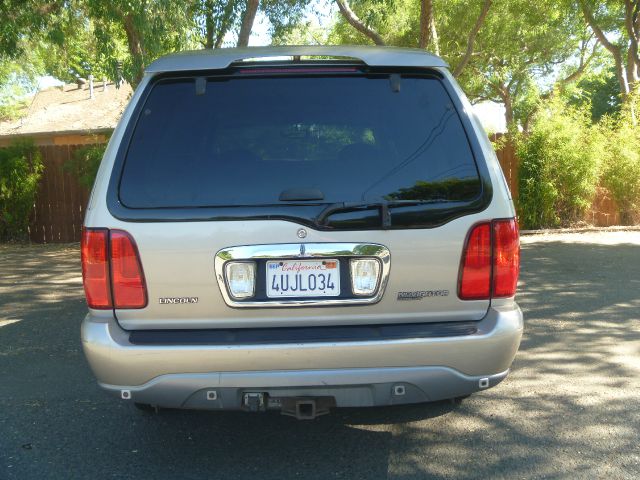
pixel 95 268
pixel 475 276
pixel 111 270
pixel 128 283
pixel 490 261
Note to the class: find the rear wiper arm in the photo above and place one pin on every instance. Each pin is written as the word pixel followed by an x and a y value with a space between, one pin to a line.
pixel 383 205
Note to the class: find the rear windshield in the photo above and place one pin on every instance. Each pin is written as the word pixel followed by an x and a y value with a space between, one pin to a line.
pixel 248 141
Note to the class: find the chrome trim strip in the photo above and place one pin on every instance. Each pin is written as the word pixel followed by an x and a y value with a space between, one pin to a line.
pixel 303 250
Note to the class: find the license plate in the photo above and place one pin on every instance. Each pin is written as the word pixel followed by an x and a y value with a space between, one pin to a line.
pixel 303 278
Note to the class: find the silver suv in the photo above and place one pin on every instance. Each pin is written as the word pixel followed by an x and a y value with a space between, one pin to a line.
pixel 299 228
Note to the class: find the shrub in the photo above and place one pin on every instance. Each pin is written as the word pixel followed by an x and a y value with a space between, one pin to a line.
pixel 20 171
pixel 559 166
pixel 85 162
pixel 621 170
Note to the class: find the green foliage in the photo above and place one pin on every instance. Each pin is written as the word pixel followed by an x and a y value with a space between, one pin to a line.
pixel 22 19
pixel 85 162
pixel 449 189
pixel 20 171
pixel 17 81
pixel 559 166
pixel 12 102
pixel 600 90
pixel 306 33
pixel 519 42
pixel 621 172
pixel 149 29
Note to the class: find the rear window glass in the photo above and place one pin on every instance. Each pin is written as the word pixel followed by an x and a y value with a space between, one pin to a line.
pixel 246 140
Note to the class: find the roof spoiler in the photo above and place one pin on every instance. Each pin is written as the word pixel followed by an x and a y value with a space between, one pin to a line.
pixel 221 58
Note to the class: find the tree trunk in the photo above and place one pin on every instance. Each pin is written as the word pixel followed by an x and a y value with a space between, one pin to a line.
pixel 434 35
pixel 247 22
pixel 632 72
pixel 136 48
pixel 471 39
pixel 615 50
pixel 505 95
pixel 508 112
pixel 620 74
pixel 350 16
pixel 426 14
pixel 209 23
pixel 632 25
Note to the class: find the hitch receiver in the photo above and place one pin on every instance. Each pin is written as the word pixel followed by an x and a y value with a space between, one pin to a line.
pixel 306 408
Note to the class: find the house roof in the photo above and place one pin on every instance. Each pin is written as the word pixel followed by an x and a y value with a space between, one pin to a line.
pixel 69 108
pixel 220 58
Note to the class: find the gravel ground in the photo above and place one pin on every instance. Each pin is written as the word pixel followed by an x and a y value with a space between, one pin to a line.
pixel 570 408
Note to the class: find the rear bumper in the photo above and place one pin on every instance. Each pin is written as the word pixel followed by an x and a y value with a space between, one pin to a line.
pixel 355 373
pixel 360 387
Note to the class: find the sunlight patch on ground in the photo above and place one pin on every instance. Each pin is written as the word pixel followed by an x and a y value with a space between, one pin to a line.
pixel 600 238
pixel 4 323
pixel 627 354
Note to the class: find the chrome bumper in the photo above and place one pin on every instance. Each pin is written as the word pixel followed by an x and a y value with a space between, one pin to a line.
pixel 430 368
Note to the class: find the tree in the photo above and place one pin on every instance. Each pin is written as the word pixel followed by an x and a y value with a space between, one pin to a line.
pixel 82 37
pixel 22 20
pixel 214 19
pixel 521 42
pixel 471 38
pixel 151 29
pixel 496 48
pixel 598 90
pixel 358 24
pixel 616 24
pixel 16 82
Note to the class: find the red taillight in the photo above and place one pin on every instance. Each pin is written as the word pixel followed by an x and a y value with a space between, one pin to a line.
pixel 506 257
pixel 475 277
pixel 111 269
pixel 128 284
pixel 490 261
pixel 95 268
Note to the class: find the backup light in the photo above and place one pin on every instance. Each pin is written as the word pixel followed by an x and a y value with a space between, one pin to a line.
pixel 365 273
pixel 241 278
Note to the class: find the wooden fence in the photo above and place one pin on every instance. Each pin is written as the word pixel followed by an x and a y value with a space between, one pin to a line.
pixel 509 163
pixel 61 200
pixel 604 210
pixel 59 209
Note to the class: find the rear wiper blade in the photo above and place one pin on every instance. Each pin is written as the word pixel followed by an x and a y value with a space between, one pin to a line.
pixel 383 205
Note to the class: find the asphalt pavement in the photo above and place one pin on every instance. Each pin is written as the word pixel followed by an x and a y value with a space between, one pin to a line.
pixel 569 409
